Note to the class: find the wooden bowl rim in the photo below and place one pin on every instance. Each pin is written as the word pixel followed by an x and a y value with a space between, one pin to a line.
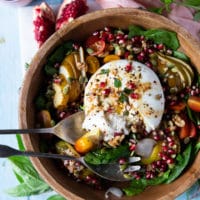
pixel 43 171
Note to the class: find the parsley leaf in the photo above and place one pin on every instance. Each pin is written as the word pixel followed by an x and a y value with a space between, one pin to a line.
pixel 104 71
pixel 117 83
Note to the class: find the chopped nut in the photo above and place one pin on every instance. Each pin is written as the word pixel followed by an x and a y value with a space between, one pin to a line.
pixel 178 121
pixel 116 140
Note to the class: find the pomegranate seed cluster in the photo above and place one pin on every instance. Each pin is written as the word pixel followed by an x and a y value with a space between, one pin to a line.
pixel 135 48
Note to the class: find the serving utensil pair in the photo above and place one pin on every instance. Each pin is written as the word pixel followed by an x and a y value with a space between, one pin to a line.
pixel 69 129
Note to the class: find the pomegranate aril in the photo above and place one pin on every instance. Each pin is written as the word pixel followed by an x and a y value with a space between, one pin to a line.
pixel 132 147
pixel 170 161
pixel 106 91
pixel 160 46
pixel 134 96
pixel 128 68
pixel 126 54
pixel 122 161
pixel 131 86
pixel 102 84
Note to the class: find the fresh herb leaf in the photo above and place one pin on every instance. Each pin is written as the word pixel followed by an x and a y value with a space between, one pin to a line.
pixel 106 155
pixel 26 189
pixel 27 65
pixel 59 54
pixel 138 186
pixel 56 197
pixel 195 4
pixel 128 91
pixel 167 4
pixel 157 10
pixel 123 97
pixel 197 148
pixel 104 71
pixel 30 181
pixel 20 143
pixel 50 70
pixel 135 31
pixel 117 83
pixel 159 36
pixel 40 102
pixel 182 161
pixel 181 55
pixel 197 16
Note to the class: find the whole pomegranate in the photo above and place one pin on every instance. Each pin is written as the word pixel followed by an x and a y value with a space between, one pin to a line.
pixel 69 10
pixel 44 22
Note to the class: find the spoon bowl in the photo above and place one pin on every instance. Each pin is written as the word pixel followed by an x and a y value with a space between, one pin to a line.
pixel 69 129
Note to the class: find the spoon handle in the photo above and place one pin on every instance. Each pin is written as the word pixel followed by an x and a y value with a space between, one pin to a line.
pixel 26 131
pixel 6 151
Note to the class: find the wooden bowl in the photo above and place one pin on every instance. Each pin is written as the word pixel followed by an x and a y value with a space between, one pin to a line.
pixel 77 30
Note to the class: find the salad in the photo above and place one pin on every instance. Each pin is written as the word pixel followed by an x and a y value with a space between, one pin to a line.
pixel 141 97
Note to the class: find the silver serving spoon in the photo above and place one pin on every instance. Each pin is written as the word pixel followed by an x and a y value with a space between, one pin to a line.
pixel 68 129
pixel 111 171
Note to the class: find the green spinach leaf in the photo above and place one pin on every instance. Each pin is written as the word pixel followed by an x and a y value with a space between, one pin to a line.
pixel 165 37
pixel 135 31
pixel 57 57
pixel 182 161
pixel 60 53
pixel 106 155
pixel 168 38
pixel 138 186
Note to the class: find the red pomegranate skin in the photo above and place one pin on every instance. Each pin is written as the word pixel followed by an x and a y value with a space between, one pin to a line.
pixel 44 22
pixel 69 10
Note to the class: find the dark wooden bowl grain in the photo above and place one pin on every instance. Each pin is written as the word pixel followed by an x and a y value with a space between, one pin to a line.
pixel 77 30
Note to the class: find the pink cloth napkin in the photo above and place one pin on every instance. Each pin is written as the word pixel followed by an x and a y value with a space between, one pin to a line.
pixel 179 14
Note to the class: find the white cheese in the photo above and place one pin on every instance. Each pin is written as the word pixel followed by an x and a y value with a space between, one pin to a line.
pixel 117 109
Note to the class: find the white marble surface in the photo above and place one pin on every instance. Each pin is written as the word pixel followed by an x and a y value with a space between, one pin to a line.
pixel 11 76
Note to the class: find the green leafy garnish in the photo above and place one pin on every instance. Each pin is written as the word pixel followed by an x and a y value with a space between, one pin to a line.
pixel 117 83
pixel 159 36
pixel 40 102
pixel 138 186
pixel 182 161
pixel 195 4
pixel 30 182
pixel 167 4
pixel 104 71
pixel 59 54
pixel 180 55
pixel 106 155
pixel 197 148
pixel 123 97
pixel 27 65
pixel 57 57
pixel 50 70
pixel 197 16
pixel 128 91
